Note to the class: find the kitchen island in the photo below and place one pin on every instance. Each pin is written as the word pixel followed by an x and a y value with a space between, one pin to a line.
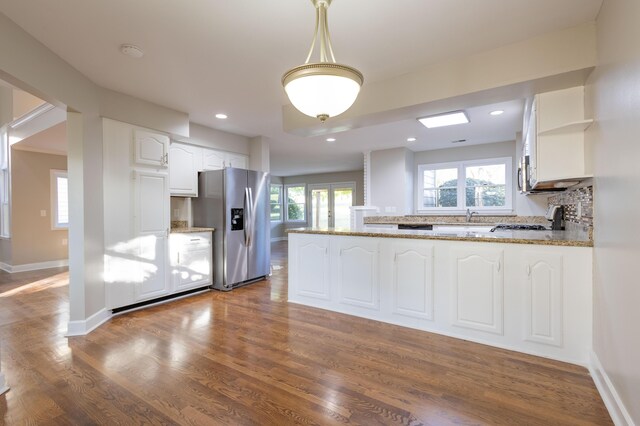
pixel 528 291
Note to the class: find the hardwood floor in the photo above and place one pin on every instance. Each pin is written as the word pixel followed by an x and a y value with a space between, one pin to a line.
pixel 249 358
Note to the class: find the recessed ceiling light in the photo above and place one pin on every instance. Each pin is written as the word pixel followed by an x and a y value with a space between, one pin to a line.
pixel 411 139
pixel 221 116
pixel 331 139
pixel 446 119
pixel 131 50
pixel 497 112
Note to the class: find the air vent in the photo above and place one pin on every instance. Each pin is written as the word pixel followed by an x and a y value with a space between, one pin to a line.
pixel 459 141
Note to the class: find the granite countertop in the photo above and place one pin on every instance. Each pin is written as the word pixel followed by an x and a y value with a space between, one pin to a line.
pixel 190 230
pixel 476 220
pixel 554 238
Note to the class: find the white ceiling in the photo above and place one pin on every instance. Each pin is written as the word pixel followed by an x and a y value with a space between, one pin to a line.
pixel 209 56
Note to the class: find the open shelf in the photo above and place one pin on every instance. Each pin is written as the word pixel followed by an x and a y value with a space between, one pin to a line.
pixel 575 126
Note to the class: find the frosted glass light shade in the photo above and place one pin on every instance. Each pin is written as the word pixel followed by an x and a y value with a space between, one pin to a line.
pixel 322 90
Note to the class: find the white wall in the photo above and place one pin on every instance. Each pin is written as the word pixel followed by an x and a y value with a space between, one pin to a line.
pixel 524 205
pixel 216 139
pixel 391 179
pixel 613 100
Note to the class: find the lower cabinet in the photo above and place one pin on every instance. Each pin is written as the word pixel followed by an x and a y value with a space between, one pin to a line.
pixel 530 298
pixel 191 256
pixel 477 284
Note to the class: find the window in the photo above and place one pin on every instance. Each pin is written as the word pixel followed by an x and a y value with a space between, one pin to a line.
pixel 59 199
pixel 295 203
pixel 5 197
pixel 480 185
pixel 275 198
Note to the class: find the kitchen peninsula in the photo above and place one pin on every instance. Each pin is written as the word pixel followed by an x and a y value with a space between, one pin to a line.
pixel 526 291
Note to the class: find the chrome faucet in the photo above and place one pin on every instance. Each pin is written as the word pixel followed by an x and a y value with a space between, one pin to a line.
pixel 470 215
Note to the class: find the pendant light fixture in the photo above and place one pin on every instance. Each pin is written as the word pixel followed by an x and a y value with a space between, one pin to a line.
pixel 322 89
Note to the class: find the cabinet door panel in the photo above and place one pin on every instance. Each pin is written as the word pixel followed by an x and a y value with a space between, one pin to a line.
pixel 357 272
pixel 183 174
pixel 152 227
pixel 478 289
pixel 213 160
pixel 543 316
pixel 150 148
pixel 413 280
pixel 236 160
pixel 313 258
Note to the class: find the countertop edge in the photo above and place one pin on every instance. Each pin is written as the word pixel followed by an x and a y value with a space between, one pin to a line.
pixel 192 230
pixel 564 243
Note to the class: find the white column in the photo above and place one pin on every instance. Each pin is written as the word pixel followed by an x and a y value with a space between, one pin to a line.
pixel 259 154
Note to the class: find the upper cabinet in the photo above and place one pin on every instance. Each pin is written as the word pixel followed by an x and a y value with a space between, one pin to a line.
pixel 212 159
pixel 236 160
pixel 216 160
pixel 150 149
pixel 184 163
pixel 554 139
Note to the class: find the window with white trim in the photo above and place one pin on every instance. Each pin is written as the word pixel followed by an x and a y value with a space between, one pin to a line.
pixel 59 199
pixel 275 200
pixel 295 203
pixel 478 185
pixel 5 186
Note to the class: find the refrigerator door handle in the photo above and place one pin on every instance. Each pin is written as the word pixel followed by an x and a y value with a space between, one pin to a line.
pixel 251 218
pixel 247 217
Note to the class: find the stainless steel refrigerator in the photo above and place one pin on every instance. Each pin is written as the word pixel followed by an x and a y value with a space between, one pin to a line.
pixel 236 203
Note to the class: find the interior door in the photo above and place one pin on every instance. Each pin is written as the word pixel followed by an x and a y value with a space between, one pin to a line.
pixel 330 204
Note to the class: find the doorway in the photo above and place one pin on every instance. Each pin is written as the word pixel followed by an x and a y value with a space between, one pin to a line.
pixel 330 204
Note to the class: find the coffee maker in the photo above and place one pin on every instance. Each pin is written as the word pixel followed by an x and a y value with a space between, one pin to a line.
pixel 555 214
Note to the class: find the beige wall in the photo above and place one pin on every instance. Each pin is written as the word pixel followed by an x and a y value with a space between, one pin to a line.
pixel 278 228
pixel 613 99
pixel 33 239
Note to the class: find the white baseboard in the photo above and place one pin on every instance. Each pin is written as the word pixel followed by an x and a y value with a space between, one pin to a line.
pixel 3 384
pixel 34 266
pixel 80 328
pixel 273 240
pixel 618 412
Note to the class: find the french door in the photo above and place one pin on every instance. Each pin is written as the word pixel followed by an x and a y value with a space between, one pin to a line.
pixel 330 204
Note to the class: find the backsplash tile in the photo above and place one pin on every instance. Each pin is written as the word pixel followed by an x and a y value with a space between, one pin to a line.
pixel 570 200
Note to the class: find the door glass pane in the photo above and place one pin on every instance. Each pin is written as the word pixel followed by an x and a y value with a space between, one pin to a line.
pixel 320 208
pixel 342 200
pixel 485 185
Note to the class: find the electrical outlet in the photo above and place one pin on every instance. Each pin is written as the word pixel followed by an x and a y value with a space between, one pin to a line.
pixel 43 213
pixel 65 241
pixel 176 213
pixel 579 210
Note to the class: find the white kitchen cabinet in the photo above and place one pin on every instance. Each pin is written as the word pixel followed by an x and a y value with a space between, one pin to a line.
pixel 355 271
pixel 543 298
pixel 191 257
pixel 152 231
pixel 535 299
pixel 150 149
pixel 412 279
pixel 212 159
pixel 238 161
pixel 555 138
pixel 216 160
pixel 477 283
pixel 183 169
pixel 311 256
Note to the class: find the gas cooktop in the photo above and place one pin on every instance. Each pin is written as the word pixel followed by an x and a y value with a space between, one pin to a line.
pixel 519 227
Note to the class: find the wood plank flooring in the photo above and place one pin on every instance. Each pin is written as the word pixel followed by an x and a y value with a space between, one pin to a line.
pixel 249 358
